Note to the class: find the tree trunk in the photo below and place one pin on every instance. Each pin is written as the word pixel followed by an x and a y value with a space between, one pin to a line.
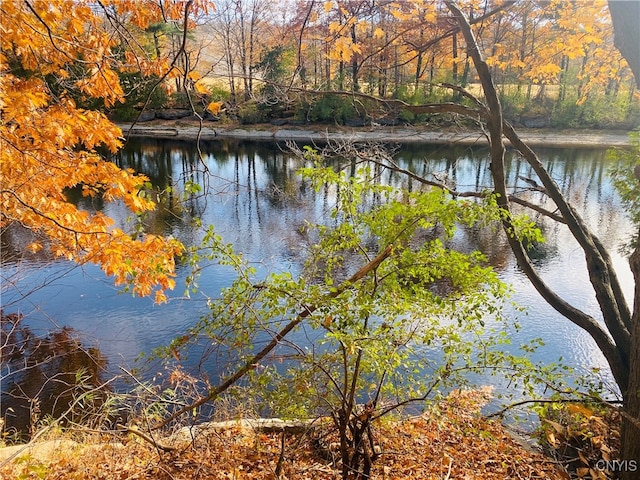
pixel 625 16
pixel 416 84
pixel 630 435
pixel 626 25
pixel 621 349
pixel 454 55
pixel 355 86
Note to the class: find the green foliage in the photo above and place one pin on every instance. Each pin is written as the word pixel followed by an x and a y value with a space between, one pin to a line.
pixel 596 111
pixel 516 103
pixel 250 113
pixel 178 100
pixel 421 96
pixel 34 468
pixel 424 95
pixel 332 108
pixel 275 64
pixel 139 92
pixel 625 178
pixel 219 93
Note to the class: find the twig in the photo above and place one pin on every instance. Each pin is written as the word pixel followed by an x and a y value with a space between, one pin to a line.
pixel 280 463
pixel 306 312
pixel 449 471
pixel 147 438
pixel 56 421
pixel 502 411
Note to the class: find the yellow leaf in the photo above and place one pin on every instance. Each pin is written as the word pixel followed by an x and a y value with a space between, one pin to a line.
pixel 34 247
pixel 575 408
pixel 328 6
pixel 200 88
pixel 431 17
pixel 160 297
pixel 214 107
pixel 334 27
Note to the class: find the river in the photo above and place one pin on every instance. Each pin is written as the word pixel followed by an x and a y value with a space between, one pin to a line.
pixel 256 201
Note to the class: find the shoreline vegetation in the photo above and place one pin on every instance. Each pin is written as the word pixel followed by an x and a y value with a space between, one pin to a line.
pixel 190 130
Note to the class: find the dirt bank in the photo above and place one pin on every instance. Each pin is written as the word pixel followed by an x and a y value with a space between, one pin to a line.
pixel 318 133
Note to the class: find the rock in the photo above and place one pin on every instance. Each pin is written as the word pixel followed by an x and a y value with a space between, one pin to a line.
pixel 173 113
pixel 389 121
pixel 356 122
pixel 210 117
pixel 152 132
pixel 263 425
pixel 278 122
pixel 146 116
pixel 535 122
pixel 43 451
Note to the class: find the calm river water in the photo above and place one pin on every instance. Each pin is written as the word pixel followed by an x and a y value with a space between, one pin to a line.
pixel 257 202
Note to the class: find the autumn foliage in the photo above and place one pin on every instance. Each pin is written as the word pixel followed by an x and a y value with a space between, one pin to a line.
pixel 52 55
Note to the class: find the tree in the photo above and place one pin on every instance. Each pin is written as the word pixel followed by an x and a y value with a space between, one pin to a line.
pixel 392 309
pixel 51 53
pixel 625 17
pixel 243 27
pixel 616 339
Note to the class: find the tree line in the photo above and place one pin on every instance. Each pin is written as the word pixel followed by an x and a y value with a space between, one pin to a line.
pixel 553 62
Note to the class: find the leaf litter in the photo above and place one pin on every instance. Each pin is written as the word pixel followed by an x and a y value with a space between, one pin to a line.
pixel 450 441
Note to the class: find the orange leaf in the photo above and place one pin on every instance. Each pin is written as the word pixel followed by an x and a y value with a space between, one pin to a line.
pixel 214 107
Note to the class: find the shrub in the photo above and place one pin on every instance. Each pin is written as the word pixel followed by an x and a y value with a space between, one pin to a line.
pixel 250 113
pixel 597 111
pixel 335 108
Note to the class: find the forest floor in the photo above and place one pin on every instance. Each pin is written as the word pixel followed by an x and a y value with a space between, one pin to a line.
pixel 547 137
pixel 452 441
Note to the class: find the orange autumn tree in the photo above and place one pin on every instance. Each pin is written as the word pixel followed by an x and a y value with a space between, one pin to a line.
pixel 52 52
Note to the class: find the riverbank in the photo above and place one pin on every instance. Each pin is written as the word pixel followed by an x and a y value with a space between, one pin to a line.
pixel 450 440
pixel 189 130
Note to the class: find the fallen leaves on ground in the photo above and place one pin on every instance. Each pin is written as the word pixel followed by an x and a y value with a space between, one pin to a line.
pixel 451 441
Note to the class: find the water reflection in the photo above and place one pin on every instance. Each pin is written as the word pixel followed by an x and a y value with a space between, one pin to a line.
pixel 42 377
pixel 253 196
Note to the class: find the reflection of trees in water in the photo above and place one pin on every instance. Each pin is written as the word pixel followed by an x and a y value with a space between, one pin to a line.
pixel 14 240
pixel 256 184
pixel 169 165
pixel 266 192
pixel 42 375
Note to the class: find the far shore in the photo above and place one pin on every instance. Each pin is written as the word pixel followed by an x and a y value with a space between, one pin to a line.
pixel 183 130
